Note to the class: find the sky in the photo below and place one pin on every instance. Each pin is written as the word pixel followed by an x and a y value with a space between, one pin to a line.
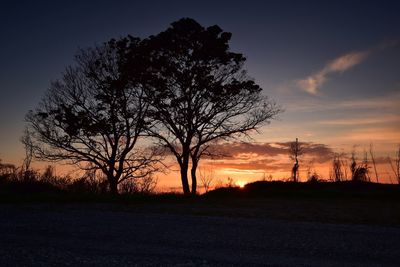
pixel 334 67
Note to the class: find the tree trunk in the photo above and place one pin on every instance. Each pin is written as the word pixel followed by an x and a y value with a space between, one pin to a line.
pixel 113 183
pixel 184 178
pixel 193 174
pixel 296 171
pixel 184 175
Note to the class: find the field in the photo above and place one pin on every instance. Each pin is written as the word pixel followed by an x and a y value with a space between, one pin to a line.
pixel 277 224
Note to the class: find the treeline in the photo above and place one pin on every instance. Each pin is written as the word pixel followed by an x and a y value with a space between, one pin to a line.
pixel 18 180
pixel 344 167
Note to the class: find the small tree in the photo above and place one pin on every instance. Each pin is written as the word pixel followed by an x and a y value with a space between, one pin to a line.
pixel 206 178
pixel 144 186
pixel 359 172
pixel 396 165
pixel 295 150
pixel 266 177
pixel 365 167
pixel 337 168
pixel 94 115
pixel 371 153
pixel 353 165
pixel 26 140
pixel 314 178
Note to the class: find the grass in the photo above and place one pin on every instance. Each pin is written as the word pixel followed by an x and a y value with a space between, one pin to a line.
pixel 345 202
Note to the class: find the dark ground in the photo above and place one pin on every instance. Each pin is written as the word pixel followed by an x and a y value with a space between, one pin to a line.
pixel 264 224
pixel 188 234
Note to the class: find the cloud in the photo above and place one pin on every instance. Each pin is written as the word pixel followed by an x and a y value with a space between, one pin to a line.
pixel 390 43
pixel 390 134
pixel 313 83
pixel 384 119
pixel 389 101
pixel 261 165
pixel 252 152
pixel 242 150
pixel 320 152
pixel 346 62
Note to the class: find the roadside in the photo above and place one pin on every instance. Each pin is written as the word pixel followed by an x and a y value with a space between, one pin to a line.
pixel 120 235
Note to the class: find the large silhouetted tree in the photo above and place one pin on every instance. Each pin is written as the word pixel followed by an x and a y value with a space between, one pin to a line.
pixel 199 92
pixel 94 116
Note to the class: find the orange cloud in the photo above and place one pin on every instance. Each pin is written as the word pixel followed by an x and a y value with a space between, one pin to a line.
pixel 264 157
pixel 242 150
pixel 384 119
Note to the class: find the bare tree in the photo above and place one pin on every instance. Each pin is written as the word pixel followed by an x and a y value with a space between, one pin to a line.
pixel 295 150
pixel 206 178
pixel 26 140
pixel 371 153
pixel 199 93
pixel 359 172
pixel 396 165
pixel 337 168
pixel 145 185
pixel 93 114
pixel 266 177
pixel 231 182
pixel 353 165
pixel 365 165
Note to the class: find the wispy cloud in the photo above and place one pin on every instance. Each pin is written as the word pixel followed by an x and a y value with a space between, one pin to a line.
pixel 390 101
pixel 313 83
pixel 354 121
pixel 389 134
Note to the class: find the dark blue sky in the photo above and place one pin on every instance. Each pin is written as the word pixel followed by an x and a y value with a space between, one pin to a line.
pixel 284 41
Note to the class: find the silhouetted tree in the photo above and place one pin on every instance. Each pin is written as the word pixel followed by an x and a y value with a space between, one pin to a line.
pixel 295 151
pixel 314 178
pixel 396 166
pixel 206 178
pixel 365 165
pixel 337 168
pixel 371 153
pixel 199 93
pixel 353 165
pixel 26 140
pixel 146 185
pixel 93 114
pixel 359 172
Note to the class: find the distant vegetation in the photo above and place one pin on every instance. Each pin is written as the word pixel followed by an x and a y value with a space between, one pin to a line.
pixel 24 183
pixel 311 189
pixel 346 179
pixel 15 182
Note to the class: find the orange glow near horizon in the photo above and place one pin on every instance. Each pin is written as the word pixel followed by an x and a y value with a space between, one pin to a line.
pixel 256 161
pixel 241 184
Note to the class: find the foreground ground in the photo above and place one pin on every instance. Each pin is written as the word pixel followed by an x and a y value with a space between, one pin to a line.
pixel 193 234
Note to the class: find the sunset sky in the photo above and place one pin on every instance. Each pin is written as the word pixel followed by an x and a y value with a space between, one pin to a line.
pixel 333 66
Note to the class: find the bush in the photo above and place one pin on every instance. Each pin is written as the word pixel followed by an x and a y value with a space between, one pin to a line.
pixel 314 178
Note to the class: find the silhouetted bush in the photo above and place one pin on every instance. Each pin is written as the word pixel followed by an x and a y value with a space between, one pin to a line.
pixel 314 178
pixel 144 185
pixel 321 189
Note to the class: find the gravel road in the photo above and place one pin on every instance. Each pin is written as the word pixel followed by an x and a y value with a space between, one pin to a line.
pixel 37 235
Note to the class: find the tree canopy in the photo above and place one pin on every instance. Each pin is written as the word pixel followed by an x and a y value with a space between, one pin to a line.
pixel 198 92
pixel 94 117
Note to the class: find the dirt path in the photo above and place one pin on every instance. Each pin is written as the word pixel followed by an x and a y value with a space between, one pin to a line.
pixel 91 236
